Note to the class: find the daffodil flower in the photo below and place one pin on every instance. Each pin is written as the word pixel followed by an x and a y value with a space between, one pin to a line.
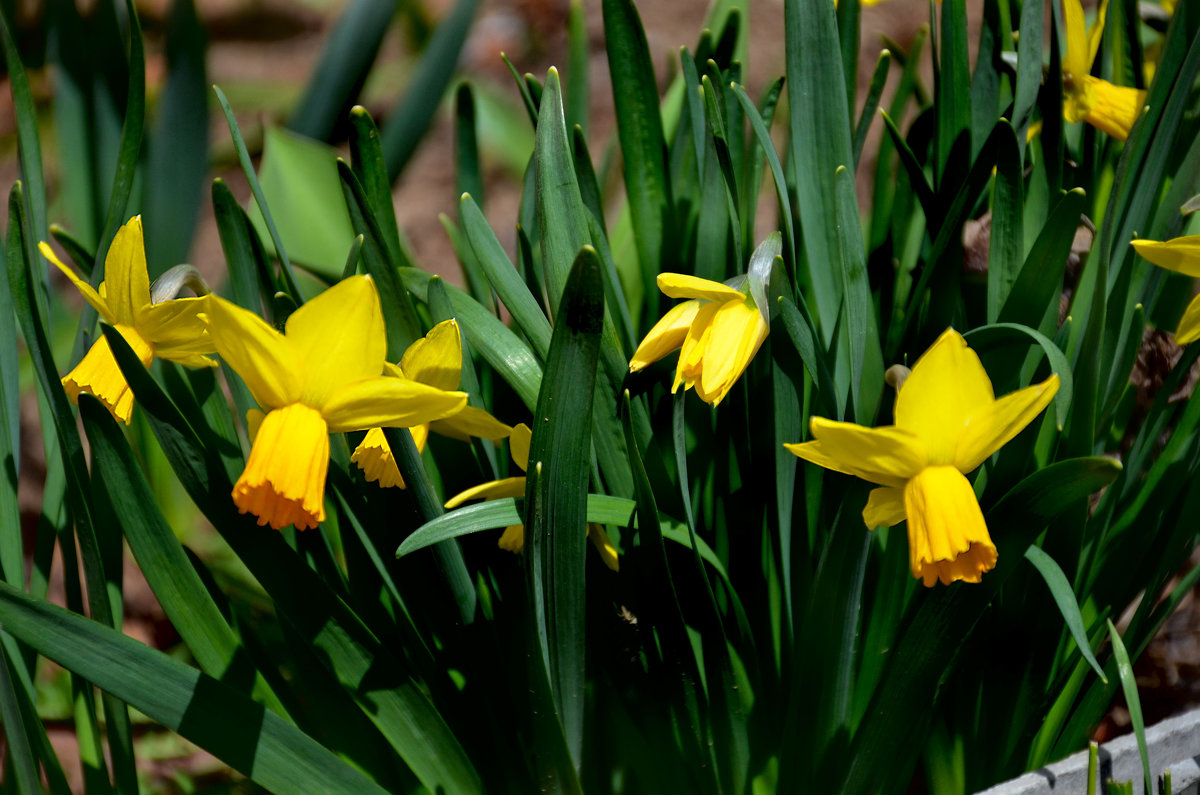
pixel 323 375
pixel 434 360
pixel 948 422
pixel 174 329
pixel 717 332
pixel 1182 255
pixel 1113 109
pixel 513 538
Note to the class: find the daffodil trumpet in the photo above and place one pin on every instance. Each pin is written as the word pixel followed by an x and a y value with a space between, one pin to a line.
pixel 154 325
pixel 717 331
pixel 1182 255
pixel 948 422
pixel 323 375
pixel 513 538
pixel 434 360
pixel 1107 107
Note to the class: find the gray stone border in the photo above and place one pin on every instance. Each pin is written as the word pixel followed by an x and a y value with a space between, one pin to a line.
pixel 1173 745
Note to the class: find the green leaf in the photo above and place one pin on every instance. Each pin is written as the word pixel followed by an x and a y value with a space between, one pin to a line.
pixel 70 448
pixel 170 574
pixel 1029 68
pixel 1064 597
pixel 1129 688
pixel 468 176
pixel 24 764
pixel 639 128
pixel 347 649
pixel 763 135
pixel 245 735
pixel 346 58
pixel 447 555
pixel 860 330
pixel 953 89
pixel 299 178
pixel 819 132
pixel 411 117
pixel 1008 236
pixel 996 334
pixel 131 145
pixel 12 550
pixel 403 324
pixel 578 58
pixel 503 277
pixel 500 347
pixel 871 105
pixel 1042 274
pixel 943 617
pixel 556 489
pixel 562 218
pixel 29 147
pixel 659 604
pixel 495 514
pixel 177 149
pixel 366 160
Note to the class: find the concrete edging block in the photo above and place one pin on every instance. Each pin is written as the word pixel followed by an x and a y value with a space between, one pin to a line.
pixel 1173 744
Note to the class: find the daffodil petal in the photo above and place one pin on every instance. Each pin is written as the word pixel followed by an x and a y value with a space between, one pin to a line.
pixel 125 273
pixel 885 507
pixel 680 285
pixel 178 328
pixel 470 422
pixel 1075 61
pixel 1189 324
pixel 946 387
pixel 265 359
pixel 888 456
pixel 341 336
pixel 993 425
pixel 666 336
pixel 512 539
pixel 492 490
pixel 738 330
pixel 691 353
pixel 284 479
pixel 94 298
pixel 98 375
pixel 518 445
pixel 436 358
pixel 947 537
pixel 1096 33
pixel 604 545
pixel 374 457
pixel 1180 254
pixel 386 401
pixel 1114 109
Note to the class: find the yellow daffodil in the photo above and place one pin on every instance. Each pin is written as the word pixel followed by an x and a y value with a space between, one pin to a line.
pixel 1181 255
pixel 1113 109
pixel 323 375
pixel 717 332
pixel 513 538
pixel 175 329
pixel 434 360
pixel 948 422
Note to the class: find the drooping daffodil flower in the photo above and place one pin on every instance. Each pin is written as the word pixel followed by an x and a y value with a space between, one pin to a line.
pixel 434 360
pixel 1182 255
pixel 1112 109
pixel 948 422
pixel 513 538
pixel 323 375
pixel 718 331
pixel 173 329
